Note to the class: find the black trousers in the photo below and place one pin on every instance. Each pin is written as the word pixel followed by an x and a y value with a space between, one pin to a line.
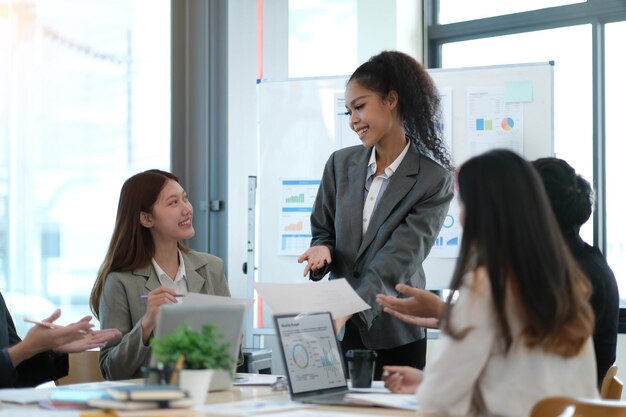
pixel 412 354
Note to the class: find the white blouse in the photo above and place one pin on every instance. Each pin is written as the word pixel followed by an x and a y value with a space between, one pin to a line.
pixel 475 376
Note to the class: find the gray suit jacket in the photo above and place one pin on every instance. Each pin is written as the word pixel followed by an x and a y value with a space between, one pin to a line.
pixel 400 235
pixel 121 307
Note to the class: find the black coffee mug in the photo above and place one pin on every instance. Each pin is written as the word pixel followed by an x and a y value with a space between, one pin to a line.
pixel 361 367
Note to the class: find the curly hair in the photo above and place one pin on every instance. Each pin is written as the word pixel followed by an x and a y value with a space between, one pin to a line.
pixel 571 196
pixel 418 99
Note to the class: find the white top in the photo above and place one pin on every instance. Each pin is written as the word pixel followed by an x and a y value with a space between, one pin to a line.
pixel 475 375
pixel 375 187
pixel 179 283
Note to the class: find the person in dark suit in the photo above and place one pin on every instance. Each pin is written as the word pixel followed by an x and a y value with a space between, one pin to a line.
pixel 42 355
pixel 380 206
pixel 571 197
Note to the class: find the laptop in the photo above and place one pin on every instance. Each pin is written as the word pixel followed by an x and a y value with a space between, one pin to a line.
pixel 312 358
pixel 227 318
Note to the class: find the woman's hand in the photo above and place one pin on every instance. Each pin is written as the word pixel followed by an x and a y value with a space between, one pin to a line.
pixel 42 337
pixel 156 298
pixel 316 257
pixel 92 340
pixel 402 379
pixel 421 308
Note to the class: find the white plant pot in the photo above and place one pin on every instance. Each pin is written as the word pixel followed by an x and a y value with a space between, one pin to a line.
pixel 196 382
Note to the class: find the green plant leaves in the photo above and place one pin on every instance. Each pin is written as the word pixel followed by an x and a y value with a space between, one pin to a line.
pixel 202 350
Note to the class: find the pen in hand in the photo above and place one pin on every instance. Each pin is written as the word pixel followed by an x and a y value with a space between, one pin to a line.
pixel 48 325
pixel 145 296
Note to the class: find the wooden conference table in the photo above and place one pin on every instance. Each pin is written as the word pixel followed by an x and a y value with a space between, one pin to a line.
pixel 235 394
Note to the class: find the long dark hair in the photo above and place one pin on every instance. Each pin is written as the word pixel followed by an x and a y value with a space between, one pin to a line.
pixel 510 230
pixel 131 244
pixel 418 99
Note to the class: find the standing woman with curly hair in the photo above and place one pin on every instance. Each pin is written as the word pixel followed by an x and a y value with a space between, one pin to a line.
pixel 380 206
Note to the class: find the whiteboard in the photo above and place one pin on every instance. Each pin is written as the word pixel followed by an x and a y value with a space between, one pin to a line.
pixel 297 133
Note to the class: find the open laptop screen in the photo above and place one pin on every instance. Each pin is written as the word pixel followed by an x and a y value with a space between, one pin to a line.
pixel 311 352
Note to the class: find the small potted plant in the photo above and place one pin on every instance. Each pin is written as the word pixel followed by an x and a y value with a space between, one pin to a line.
pixel 203 354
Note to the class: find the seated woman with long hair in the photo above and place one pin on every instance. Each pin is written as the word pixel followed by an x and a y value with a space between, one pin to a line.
pixel 517 325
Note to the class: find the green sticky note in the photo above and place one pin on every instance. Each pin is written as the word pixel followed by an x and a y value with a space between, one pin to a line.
pixel 518 91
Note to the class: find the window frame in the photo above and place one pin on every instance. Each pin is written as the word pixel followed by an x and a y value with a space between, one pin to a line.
pixel 597 13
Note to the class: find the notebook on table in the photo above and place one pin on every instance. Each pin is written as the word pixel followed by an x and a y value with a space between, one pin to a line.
pixel 312 359
pixel 227 319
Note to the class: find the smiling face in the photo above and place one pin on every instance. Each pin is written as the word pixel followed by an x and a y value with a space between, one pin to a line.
pixel 372 117
pixel 172 215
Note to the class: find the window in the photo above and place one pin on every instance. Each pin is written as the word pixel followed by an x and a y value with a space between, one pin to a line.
pixel 570 48
pixel 615 150
pixel 84 103
pixel 332 37
pixel 451 11
pixel 578 36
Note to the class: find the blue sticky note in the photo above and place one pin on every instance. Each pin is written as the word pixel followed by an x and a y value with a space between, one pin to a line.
pixel 518 91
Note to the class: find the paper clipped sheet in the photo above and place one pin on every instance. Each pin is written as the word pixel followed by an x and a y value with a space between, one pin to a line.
pixel 336 296
pixel 196 298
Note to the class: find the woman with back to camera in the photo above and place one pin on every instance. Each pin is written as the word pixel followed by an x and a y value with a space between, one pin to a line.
pixel 520 329
pixel 147 259
pixel 571 197
pixel 380 206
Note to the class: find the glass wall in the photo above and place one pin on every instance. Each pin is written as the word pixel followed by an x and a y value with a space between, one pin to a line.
pixel 615 151
pixel 451 11
pixel 585 39
pixel 84 103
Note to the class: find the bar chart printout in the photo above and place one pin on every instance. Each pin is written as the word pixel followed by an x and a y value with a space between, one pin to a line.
pixel 297 198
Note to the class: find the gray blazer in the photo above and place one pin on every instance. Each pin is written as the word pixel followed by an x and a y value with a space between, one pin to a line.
pixel 401 232
pixel 121 307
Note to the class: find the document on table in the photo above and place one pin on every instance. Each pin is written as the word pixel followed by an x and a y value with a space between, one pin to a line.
pixel 256 379
pixel 24 395
pixel 403 401
pixel 250 407
pixel 336 296
pixel 38 412
pixel 196 298
pixel 316 413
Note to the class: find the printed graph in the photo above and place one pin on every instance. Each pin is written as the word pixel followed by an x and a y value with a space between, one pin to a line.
pixel 300 356
pixel 294 227
pixel 330 361
pixel 299 198
pixel 507 124
pixel 484 124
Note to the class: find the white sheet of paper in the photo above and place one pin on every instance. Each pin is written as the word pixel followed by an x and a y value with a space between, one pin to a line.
pixel 196 298
pixel 38 412
pixel 242 379
pixel 251 407
pixel 402 401
pixel 336 296
pixel 316 413
pixel 24 395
